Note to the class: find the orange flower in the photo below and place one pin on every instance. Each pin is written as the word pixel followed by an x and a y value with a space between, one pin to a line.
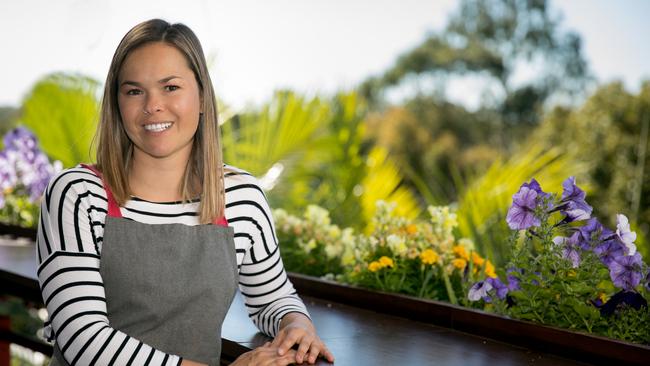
pixel 478 261
pixel 489 269
pixel 411 229
pixel 461 252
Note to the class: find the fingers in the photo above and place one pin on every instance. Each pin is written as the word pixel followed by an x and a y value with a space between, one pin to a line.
pixel 302 350
pixel 286 340
pixel 267 355
pixel 314 350
pixel 329 356
pixel 309 345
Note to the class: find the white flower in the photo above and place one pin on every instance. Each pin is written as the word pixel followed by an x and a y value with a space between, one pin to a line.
pixel 625 234
pixel 333 250
pixel 479 290
pixel 397 244
pixel 318 215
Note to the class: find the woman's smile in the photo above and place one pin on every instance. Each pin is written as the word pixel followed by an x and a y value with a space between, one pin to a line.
pixel 158 127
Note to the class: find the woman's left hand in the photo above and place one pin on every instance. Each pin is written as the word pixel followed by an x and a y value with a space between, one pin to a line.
pixel 296 328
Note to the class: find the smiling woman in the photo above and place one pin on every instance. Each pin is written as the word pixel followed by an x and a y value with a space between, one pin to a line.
pixel 175 229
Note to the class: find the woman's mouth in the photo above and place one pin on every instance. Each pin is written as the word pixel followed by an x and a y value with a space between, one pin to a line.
pixel 158 127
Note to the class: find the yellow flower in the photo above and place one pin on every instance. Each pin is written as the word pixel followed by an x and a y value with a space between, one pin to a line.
pixel 461 252
pixel 459 263
pixel 386 262
pixel 428 256
pixel 374 266
pixel 489 269
pixel 603 297
pixel 478 261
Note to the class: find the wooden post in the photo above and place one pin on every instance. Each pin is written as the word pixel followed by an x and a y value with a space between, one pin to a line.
pixel 5 326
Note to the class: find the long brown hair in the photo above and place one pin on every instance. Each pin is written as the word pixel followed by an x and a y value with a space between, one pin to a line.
pixel 114 148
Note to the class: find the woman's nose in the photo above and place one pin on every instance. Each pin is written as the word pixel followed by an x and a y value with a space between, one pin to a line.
pixel 153 103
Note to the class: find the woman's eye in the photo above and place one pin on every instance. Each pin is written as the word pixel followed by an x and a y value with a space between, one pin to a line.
pixel 133 92
pixel 172 87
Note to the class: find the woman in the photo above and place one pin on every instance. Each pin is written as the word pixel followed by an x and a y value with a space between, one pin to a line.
pixel 140 255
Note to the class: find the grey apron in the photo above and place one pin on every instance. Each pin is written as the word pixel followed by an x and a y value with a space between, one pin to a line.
pixel 167 285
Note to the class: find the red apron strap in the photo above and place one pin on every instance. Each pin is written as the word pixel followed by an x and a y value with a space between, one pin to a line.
pixel 222 221
pixel 113 208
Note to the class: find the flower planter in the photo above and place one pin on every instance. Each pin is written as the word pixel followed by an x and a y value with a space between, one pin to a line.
pixel 15 231
pixel 563 342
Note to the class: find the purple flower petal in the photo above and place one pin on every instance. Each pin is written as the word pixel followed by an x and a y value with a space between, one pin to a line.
pixel 631 298
pixel 573 201
pixel 521 214
pixel 501 289
pixel 625 271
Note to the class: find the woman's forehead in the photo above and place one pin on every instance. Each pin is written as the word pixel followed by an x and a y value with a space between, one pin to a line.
pixel 153 63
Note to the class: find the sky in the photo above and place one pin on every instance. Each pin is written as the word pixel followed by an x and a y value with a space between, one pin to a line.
pixel 311 46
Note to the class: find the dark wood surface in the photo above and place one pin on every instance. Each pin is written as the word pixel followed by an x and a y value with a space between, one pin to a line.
pixel 571 344
pixel 356 336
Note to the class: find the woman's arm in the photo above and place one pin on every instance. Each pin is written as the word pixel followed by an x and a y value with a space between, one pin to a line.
pixel 270 297
pixel 68 242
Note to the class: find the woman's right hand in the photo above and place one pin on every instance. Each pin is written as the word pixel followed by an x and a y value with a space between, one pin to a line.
pixel 266 355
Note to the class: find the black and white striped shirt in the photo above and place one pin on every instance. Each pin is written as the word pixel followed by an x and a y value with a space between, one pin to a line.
pixel 69 245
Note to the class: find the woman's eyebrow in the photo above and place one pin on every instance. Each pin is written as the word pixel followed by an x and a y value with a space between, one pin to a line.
pixel 164 80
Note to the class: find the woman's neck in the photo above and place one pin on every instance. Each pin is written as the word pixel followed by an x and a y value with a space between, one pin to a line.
pixel 157 180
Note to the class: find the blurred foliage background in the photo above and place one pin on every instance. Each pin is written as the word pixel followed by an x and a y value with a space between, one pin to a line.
pixel 345 151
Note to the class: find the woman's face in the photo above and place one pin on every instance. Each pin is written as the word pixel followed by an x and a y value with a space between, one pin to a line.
pixel 159 102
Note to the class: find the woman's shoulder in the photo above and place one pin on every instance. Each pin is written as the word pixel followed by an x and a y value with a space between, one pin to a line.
pixel 242 185
pixel 236 175
pixel 79 177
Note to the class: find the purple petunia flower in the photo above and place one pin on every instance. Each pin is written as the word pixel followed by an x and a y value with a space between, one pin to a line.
pixel 24 166
pixel 573 203
pixel 513 282
pixel 625 271
pixel 534 185
pixel 479 291
pixel 501 289
pixel 570 247
pixel 512 275
pixel 593 233
pixel 521 214
pixel 629 298
pixel 20 139
pixel 609 249
pixel 8 176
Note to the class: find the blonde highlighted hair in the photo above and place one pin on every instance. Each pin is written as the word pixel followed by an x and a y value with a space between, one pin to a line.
pixel 205 167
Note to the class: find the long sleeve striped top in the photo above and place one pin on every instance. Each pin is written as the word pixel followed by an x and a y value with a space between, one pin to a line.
pixel 69 245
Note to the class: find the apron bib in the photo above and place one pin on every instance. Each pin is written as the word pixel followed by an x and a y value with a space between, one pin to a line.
pixel 167 285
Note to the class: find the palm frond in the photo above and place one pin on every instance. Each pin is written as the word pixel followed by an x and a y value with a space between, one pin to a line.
pixel 62 111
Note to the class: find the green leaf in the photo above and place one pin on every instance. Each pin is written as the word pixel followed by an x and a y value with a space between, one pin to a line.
pixel 62 111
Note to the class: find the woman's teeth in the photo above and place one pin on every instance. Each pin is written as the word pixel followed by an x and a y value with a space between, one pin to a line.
pixel 157 127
